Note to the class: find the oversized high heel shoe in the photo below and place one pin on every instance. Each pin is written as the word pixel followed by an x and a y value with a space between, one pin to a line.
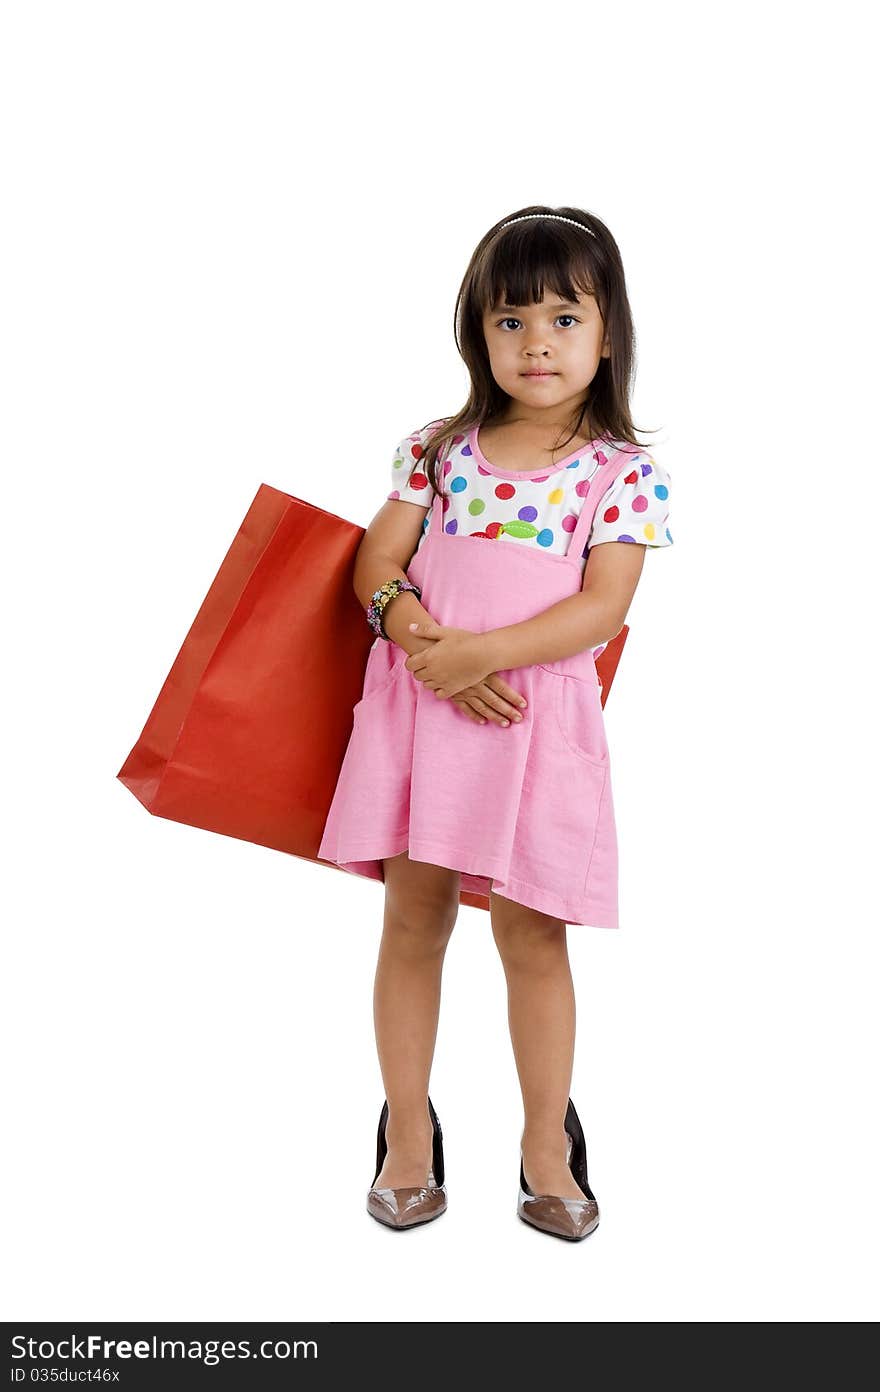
pixel 572 1219
pixel 408 1207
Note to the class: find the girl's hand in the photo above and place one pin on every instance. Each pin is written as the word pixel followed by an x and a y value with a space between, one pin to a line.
pixel 454 658
pixel 491 700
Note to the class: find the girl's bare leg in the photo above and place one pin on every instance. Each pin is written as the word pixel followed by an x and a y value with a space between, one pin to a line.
pixel 421 906
pixel 541 1014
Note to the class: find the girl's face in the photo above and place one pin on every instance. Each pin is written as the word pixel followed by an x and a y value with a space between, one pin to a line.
pixel 561 339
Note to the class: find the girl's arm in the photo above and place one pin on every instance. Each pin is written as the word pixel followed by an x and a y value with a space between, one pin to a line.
pixel 385 551
pixel 581 621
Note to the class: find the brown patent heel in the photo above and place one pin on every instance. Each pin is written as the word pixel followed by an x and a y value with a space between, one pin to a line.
pixel 572 1219
pixel 410 1206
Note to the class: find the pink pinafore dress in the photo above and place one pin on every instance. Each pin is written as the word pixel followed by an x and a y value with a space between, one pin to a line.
pixel 525 811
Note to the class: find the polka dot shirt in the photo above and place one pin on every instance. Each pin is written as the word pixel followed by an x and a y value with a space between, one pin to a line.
pixel 535 509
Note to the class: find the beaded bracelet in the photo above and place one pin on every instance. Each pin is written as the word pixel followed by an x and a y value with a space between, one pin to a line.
pixel 382 597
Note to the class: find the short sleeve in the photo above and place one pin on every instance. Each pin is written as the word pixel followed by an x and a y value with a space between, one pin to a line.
pixel 636 506
pixel 409 482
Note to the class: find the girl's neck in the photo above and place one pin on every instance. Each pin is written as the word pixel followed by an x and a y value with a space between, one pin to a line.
pixel 540 442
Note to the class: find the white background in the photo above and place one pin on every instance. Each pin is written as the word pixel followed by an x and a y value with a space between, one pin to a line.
pixel 231 250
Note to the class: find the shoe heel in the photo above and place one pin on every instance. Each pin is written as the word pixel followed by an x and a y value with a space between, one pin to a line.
pixel 578 1158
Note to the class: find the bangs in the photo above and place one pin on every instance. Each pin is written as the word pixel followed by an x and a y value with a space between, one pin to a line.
pixel 527 264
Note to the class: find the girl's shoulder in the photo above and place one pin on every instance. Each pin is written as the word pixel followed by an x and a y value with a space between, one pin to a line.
pixel 635 507
pixel 420 438
pixel 639 467
pixel 409 482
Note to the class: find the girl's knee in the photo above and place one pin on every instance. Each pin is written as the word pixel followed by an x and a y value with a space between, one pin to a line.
pixel 524 937
pixel 418 928
pixel 421 904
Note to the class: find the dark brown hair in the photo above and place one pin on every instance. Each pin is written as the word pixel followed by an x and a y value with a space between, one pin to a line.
pixel 520 264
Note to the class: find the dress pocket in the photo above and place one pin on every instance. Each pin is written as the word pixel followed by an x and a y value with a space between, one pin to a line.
pixel 577 706
pixel 384 664
pixel 373 791
pixel 564 810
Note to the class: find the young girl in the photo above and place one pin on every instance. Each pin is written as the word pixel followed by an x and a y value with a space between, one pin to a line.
pixel 477 771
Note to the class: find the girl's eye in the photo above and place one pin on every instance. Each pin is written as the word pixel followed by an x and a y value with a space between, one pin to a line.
pixel 510 320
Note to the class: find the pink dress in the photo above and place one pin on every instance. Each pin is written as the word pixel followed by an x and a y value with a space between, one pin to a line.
pixel 525 811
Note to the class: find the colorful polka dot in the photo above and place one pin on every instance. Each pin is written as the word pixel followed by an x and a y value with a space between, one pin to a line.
pixel 522 506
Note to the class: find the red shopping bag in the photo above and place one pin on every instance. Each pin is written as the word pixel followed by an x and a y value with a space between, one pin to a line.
pixel 607 662
pixel 249 730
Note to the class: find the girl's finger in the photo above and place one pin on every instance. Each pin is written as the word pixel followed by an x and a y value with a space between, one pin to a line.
pixel 469 711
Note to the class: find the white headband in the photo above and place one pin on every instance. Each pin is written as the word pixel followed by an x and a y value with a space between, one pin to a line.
pixel 557 216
